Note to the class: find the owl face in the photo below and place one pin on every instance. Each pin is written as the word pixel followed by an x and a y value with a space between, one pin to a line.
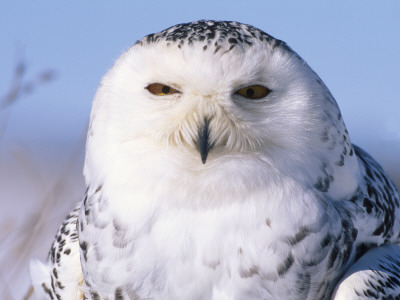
pixel 208 91
pixel 210 96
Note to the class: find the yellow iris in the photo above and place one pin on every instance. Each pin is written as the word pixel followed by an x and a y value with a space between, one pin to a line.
pixel 253 92
pixel 160 89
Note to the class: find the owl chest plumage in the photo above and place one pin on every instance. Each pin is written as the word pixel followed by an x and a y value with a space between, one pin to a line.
pixel 250 248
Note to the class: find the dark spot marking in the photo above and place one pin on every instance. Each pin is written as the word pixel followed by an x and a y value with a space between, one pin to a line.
pixel 95 296
pixel 53 255
pixel 323 184
pixel 379 230
pixel 118 294
pixel 55 273
pixel 340 163
pixel 368 205
pixel 327 240
pixel 299 236
pixel 52 283
pixel 98 189
pixel 217 49
pixel 324 135
pixel 47 290
pixel 59 284
pixel 117 226
pixel 333 256
pixel 345 224
pixel 232 40
pixel 285 266
pixel 83 245
pixel 250 272
pixel 354 233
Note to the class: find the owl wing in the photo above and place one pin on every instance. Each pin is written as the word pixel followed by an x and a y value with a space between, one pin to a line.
pixel 60 277
pixel 378 200
pixel 376 275
pixel 376 272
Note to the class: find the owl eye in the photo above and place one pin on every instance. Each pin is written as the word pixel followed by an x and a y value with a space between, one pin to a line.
pixel 253 92
pixel 160 89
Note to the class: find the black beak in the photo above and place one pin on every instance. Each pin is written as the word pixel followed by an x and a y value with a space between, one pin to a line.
pixel 203 143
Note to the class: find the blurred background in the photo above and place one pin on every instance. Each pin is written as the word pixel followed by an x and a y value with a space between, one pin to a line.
pixel 53 55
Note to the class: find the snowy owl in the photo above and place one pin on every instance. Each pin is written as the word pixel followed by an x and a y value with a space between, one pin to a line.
pixel 218 166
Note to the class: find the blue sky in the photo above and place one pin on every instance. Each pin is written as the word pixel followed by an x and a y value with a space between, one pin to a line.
pixel 353 45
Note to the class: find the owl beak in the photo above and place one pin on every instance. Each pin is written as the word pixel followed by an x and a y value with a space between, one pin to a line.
pixel 203 143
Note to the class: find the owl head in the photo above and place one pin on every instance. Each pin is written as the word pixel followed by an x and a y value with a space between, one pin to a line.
pixel 206 95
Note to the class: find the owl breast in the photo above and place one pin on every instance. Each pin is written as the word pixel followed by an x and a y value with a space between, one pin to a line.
pixel 248 249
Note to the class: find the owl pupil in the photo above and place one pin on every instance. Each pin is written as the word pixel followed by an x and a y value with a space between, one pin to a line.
pixel 166 89
pixel 249 93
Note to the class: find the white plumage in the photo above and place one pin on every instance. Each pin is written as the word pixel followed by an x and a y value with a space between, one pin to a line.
pixel 218 166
